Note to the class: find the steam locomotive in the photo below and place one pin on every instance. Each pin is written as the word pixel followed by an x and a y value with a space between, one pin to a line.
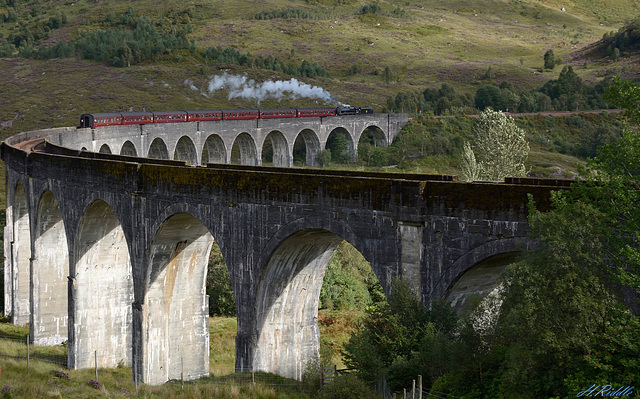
pixel 140 118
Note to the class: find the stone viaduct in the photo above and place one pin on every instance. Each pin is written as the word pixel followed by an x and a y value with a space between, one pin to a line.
pixel 213 142
pixel 109 252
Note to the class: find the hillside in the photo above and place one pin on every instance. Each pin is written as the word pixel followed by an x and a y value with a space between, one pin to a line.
pixel 424 44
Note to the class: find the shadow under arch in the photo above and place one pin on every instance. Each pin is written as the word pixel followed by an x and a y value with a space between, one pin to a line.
pixel 342 145
pixel 286 311
pixel 128 149
pixel 20 275
pixel 103 291
pixel 214 150
pixel 482 267
pixel 186 151
pixel 104 149
pixel 158 149
pixel 175 311
pixel 50 266
pixel 478 281
pixel 373 135
pixel 244 150
pixel 306 148
pixel 275 150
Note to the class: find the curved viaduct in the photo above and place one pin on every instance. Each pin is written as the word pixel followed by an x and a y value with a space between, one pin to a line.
pixel 109 252
pixel 212 142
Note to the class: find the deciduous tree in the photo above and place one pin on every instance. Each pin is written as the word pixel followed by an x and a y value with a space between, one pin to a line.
pixel 499 147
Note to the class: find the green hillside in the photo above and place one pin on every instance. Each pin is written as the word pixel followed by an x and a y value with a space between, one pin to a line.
pixel 422 44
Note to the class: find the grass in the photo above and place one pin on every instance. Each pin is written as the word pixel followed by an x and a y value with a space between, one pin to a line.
pixel 48 380
pixel 429 44
pixel 44 380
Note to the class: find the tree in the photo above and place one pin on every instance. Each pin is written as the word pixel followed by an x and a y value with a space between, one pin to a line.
pixel 388 76
pixel 564 298
pixel 500 147
pixel 324 157
pixel 340 147
pixel 549 59
pixel 469 167
pixel 221 300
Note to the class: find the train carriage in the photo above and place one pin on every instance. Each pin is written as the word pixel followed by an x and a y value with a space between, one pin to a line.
pixel 100 119
pixel 137 118
pixel 235 114
pixel 169 116
pixel 207 115
pixel 316 112
pixel 278 113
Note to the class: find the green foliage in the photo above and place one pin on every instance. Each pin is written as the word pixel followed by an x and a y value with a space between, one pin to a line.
pixel 372 155
pixel 371 8
pixel 31 32
pixel 340 147
pixel 221 300
pixel 391 333
pixel 567 93
pixel 347 386
pixel 490 97
pixel 324 157
pixel 499 148
pixel 388 76
pixel 133 40
pixel 563 325
pixel 550 60
pixel 228 55
pixel 348 280
pixel 622 42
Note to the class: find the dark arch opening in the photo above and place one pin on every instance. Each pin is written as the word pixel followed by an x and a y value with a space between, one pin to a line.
pixel 104 149
pixel 306 148
pixel 128 149
pixel 478 281
pixel 341 145
pixel 158 149
pixel 275 150
pixel 214 150
pixel 186 151
pixel 244 150
pixel 370 147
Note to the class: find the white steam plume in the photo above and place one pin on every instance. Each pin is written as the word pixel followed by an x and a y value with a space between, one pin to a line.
pixel 248 89
pixel 189 83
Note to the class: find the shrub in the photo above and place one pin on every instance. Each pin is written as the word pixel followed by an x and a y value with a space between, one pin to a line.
pixel 95 384
pixel 347 386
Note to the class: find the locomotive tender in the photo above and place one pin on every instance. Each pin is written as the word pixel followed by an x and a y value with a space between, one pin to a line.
pixel 140 118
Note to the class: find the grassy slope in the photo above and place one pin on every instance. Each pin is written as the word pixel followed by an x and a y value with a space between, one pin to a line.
pixel 433 43
pixel 41 382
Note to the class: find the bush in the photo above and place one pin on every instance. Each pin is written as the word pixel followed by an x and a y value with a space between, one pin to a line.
pixel 347 386
pixel 372 8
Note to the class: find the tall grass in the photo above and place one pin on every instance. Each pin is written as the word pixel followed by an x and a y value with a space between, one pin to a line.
pixel 49 380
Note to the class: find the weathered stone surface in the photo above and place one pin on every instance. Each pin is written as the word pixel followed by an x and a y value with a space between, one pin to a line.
pixel 118 245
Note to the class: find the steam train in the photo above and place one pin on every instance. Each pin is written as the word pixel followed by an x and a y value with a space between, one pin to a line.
pixel 140 118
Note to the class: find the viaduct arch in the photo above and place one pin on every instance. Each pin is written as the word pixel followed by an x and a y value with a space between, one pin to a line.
pixel 138 231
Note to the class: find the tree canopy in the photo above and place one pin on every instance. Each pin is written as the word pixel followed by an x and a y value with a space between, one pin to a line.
pixel 499 148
